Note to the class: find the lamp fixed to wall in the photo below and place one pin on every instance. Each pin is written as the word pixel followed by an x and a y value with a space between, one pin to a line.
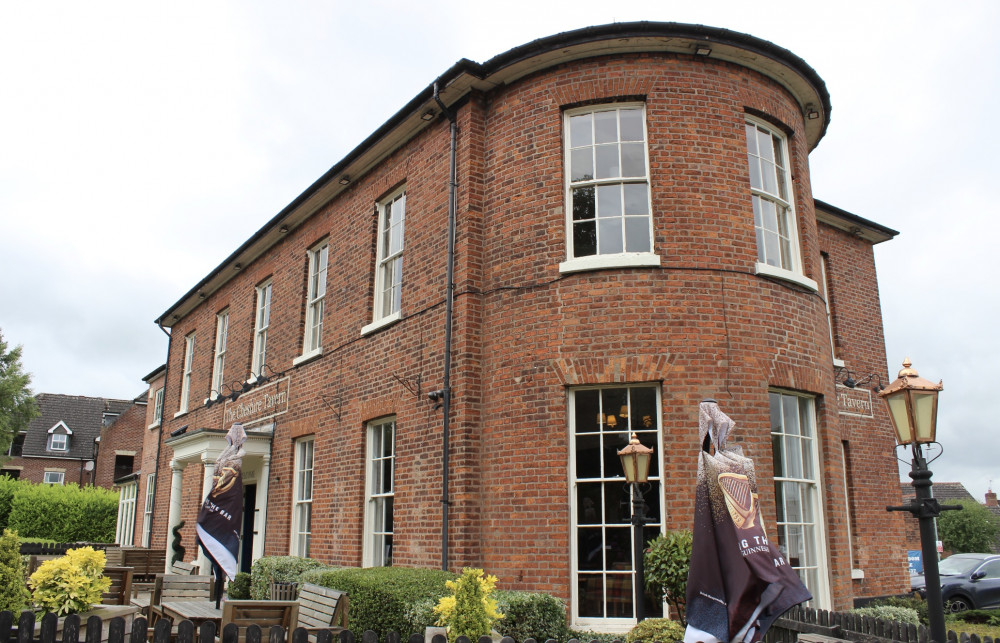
pixel 845 377
pixel 344 180
pixel 263 377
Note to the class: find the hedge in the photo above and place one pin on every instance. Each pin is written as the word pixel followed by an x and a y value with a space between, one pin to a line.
pixel 529 615
pixel 387 599
pixel 64 513
pixel 8 487
pixel 281 569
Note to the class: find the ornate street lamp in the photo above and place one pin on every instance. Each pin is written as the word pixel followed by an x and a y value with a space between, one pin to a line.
pixel 635 461
pixel 912 402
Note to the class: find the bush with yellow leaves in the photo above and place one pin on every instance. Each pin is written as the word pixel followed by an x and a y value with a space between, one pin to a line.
pixel 72 583
pixel 470 610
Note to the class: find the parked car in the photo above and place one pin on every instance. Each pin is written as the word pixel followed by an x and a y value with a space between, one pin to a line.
pixel 968 581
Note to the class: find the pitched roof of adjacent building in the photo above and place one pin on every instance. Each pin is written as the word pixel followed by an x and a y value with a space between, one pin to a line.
pixel 83 416
pixel 946 493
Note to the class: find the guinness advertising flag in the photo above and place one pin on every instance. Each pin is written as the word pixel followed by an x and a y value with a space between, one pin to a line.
pixel 739 582
pixel 221 516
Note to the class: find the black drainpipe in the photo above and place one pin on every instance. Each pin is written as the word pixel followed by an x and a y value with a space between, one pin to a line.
pixel 448 317
pixel 159 441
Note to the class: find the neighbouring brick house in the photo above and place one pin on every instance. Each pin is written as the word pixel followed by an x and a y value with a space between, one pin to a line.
pixel 635 231
pixel 60 445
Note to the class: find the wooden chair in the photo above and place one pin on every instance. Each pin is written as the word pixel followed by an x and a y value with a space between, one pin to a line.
pixel 173 587
pixel 266 614
pixel 182 568
pixel 322 608
pixel 283 591
pixel 120 592
pixel 113 557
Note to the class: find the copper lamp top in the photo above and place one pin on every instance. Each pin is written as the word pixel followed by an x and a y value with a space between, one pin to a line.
pixel 909 378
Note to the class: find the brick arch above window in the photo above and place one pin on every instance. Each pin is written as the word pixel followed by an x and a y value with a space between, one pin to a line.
pixel 604 90
pixel 619 370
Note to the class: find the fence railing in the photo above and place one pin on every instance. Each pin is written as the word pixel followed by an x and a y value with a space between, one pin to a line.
pixel 813 625
pixel 70 629
pixel 57 549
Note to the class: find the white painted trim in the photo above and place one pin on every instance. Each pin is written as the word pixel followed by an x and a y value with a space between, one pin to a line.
pixel 388 320
pixel 307 357
pixel 785 275
pixel 131 453
pixel 607 262
pixel 857 574
pixel 62 424
pixel 180 413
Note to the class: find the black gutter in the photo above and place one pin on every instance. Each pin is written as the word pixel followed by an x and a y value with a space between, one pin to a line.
pixel 668 30
pixel 861 221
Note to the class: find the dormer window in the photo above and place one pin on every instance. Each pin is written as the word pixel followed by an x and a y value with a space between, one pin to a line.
pixel 58 442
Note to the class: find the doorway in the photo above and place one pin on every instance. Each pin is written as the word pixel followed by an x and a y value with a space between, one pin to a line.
pixel 249 515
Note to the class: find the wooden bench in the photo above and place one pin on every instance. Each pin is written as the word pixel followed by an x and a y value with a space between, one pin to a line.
pixel 120 591
pixel 182 568
pixel 266 614
pixel 169 588
pixel 322 608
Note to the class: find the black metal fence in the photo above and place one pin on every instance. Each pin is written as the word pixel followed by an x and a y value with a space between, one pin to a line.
pixel 70 629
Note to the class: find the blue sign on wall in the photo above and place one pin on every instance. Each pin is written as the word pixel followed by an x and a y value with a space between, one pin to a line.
pixel 916 562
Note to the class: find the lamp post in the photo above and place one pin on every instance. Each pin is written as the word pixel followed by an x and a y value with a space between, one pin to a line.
pixel 635 461
pixel 912 403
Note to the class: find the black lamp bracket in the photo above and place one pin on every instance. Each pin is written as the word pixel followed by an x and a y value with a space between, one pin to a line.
pixel 844 377
pixel 930 447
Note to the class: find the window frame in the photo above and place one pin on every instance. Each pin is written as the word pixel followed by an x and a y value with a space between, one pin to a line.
pixel 379 503
pixel 64 440
pixel 811 489
pixel 60 474
pixel 262 322
pixel 384 257
pixel 302 476
pixel 312 336
pixel 219 361
pixel 794 270
pixel 609 623
pixel 125 529
pixel 598 260
pixel 147 510
pixel 186 374
pixel 825 274
pixel 157 408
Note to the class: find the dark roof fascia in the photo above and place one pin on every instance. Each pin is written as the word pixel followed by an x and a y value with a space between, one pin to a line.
pixel 869 230
pixel 578 37
pixel 162 368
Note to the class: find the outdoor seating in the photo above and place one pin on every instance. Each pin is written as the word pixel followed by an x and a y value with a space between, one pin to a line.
pixel 180 567
pixel 120 592
pixel 322 608
pixel 266 614
pixel 168 588
pixel 284 591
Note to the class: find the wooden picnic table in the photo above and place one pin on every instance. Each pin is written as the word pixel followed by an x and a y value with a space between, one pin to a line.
pixel 197 612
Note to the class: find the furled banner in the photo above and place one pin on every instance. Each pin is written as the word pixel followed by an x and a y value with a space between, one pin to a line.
pixel 220 519
pixel 739 582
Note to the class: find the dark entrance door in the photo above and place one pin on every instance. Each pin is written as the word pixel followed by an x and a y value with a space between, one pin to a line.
pixel 249 510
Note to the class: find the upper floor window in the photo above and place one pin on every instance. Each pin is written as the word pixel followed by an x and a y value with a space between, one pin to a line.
pixel 262 322
pixel 825 269
pixel 315 296
pixel 158 407
pixel 186 377
pixel 58 442
pixel 219 366
pixel 389 276
pixel 771 193
pixel 607 188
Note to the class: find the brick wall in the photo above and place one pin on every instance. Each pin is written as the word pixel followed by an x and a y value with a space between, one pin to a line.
pixel 124 437
pixel 700 325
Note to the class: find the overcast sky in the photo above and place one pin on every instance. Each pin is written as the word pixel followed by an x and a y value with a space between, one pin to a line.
pixel 141 143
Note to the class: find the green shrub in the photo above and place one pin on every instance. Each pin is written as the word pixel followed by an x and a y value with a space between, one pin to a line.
pixel 667 560
pixel 912 602
pixel 239 587
pixel 889 613
pixel 8 487
pixel 386 599
pixel 656 630
pixel 72 583
pixel 13 594
pixel 531 615
pixel 585 636
pixel 470 610
pixel 65 513
pixel 980 617
pixel 279 569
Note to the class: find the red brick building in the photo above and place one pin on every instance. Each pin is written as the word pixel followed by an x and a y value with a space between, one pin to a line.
pixel 634 231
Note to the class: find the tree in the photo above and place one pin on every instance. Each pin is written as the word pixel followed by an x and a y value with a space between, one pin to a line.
pixel 973 529
pixel 17 404
pixel 667 560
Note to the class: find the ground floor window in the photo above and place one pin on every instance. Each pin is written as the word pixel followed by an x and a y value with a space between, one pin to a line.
pixel 601 422
pixel 147 514
pixel 380 492
pixel 302 494
pixel 799 518
pixel 54 477
pixel 126 514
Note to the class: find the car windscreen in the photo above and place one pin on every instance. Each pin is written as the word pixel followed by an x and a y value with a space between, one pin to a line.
pixel 958 565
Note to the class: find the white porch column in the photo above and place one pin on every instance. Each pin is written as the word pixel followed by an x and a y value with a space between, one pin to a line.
pixel 204 565
pixel 174 510
pixel 260 519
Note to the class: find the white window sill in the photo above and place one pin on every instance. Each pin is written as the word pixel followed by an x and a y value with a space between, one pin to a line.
pixel 786 275
pixel 307 357
pixel 604 262
pixel 388 320
pixel 154 425
pixel 180 413
pixel 857 574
